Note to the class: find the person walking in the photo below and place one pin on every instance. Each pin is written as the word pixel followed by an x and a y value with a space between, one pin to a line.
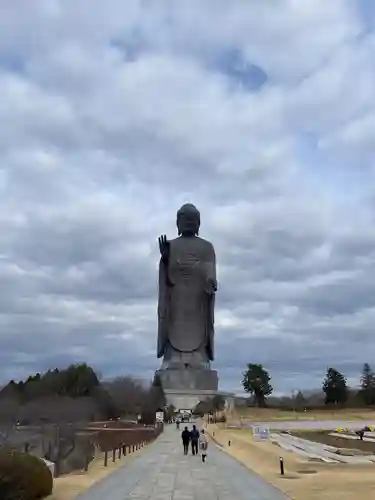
pixel 185 435
pixel 203 445
pixel 194 436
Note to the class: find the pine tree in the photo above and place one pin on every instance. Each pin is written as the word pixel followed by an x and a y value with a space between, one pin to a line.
pixel 300 401
pixel 256 381
pixel 335 387
pixel 367 391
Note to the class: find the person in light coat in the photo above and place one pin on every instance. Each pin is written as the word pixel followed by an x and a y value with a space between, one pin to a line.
pixel 203 445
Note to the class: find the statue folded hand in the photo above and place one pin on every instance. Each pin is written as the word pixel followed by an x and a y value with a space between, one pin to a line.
pixel 211 286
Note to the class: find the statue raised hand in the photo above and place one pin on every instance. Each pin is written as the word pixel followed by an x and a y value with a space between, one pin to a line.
pixel 165 248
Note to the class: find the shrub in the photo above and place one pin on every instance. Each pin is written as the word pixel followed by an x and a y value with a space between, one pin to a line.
pixel 23 477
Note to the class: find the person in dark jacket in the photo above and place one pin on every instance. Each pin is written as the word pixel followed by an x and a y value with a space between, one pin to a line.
pixel 185 435
pixel 194 437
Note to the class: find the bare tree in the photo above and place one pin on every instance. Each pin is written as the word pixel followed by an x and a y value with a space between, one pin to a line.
pixel 128 394
pixel 9 416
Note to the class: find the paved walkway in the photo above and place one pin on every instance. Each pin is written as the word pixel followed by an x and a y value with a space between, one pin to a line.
pixel 162 472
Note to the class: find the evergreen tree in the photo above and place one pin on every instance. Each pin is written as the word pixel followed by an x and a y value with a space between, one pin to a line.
pixel 157 395
pixel 367 391
pixel 300 401
pixel 256 381
pixel 218 402
pixel 169 412
pixel 335 387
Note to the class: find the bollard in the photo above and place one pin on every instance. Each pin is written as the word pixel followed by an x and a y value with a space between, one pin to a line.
pixel 114 455
pixel 228 443
pixel 105 458
pixel 281 466
pixel 57 468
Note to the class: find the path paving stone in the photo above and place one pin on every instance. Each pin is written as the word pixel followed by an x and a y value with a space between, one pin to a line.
pixel 162 472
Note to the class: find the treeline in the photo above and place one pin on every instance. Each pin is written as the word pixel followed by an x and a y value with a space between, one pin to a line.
pixel 335 390
pixel 75 381
pixel 77 394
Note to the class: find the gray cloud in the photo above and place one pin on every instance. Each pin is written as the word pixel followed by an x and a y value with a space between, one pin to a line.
pixel 115 115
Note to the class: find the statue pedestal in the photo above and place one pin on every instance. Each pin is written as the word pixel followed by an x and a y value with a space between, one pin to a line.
pixel 189 378
pixel 185 388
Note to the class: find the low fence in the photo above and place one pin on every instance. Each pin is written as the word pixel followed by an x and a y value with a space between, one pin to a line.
pixel 116 441
pixel 115 424
pixel 113 438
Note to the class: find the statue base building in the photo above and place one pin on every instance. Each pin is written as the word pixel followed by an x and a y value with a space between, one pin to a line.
pixel 187 400
pixel 184 388
pixel 189 379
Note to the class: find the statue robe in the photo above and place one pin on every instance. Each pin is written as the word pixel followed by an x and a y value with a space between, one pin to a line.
pixel 186 301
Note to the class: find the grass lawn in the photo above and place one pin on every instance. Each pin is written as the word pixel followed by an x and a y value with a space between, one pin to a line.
pixel 270 414
pixel 303 480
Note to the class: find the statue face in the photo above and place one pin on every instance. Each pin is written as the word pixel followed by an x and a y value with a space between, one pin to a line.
pixel 188 220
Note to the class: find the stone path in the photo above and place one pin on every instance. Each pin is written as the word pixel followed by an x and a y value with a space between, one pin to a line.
pixel 162 472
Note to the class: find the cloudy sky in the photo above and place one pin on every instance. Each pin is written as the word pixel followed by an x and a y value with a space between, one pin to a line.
pixel 115 113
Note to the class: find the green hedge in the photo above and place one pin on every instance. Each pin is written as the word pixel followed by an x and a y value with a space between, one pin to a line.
pixel 23 477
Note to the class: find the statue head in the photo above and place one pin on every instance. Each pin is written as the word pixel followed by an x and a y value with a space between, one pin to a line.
pixel 188 220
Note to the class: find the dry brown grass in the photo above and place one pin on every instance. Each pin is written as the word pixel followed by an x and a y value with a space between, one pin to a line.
pixel 271 414
pixel 303 480
pixel 69 486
